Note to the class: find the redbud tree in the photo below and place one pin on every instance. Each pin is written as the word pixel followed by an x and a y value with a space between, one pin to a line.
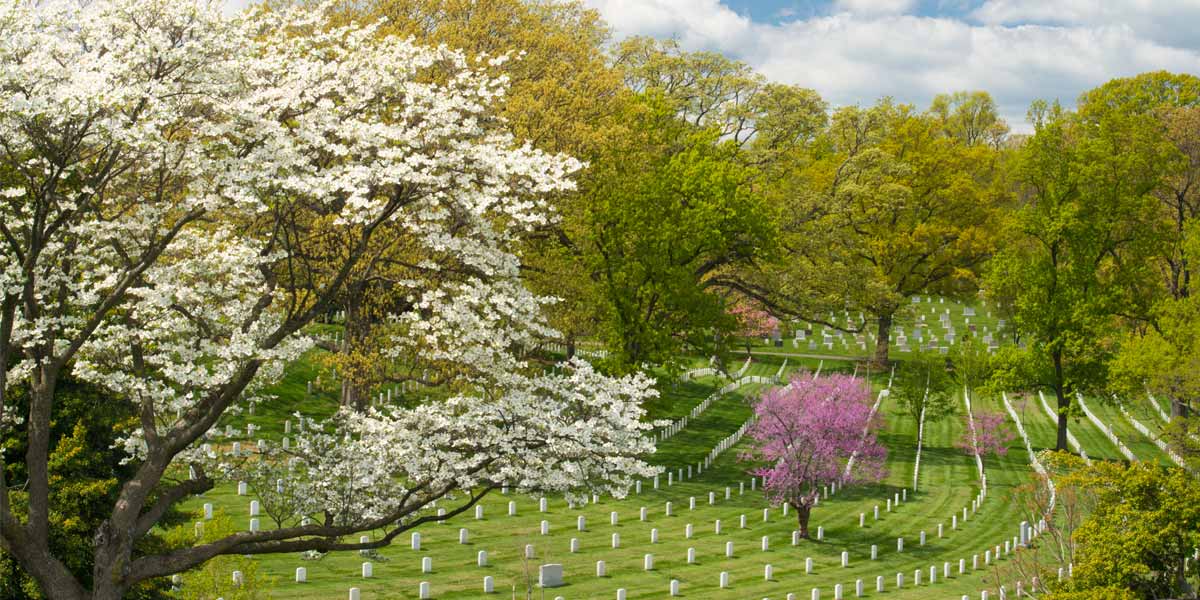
pixel 988 434
pixel 805 435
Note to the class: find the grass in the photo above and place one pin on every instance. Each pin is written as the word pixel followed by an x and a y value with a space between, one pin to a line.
pixel 1141 446
pixel 948 482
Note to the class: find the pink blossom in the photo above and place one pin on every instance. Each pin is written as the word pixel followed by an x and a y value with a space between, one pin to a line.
pixel 754 322
pixel 992 435
pixel 807 432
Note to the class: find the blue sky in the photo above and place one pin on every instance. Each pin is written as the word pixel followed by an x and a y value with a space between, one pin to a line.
pixel 774 11
pixel 856 51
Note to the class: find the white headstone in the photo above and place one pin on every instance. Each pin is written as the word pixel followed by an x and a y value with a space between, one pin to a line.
pixel 551 575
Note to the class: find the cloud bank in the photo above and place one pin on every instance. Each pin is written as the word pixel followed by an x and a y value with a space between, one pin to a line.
pixel 860 50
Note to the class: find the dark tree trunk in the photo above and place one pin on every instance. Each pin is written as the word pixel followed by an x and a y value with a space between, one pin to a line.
pixel 803 513
pixel 570 347
pixel 1179 408
pixel 1064 402
pixel 883 341
pixel 357 327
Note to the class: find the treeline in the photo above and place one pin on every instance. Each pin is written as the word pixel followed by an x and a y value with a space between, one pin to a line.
pixel 708 185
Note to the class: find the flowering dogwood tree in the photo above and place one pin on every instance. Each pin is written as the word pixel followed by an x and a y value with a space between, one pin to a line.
pixel 805 434
pixel 168 177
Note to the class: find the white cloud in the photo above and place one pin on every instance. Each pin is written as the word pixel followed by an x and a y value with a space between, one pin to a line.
pixel 851 57
pixel 874 7
pixel 1168 22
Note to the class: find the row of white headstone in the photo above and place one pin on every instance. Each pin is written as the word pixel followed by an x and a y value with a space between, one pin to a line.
pixel 1158 441
pixel 681 423
pixel 1106 428
pixel 1070 436
pixel 1033 459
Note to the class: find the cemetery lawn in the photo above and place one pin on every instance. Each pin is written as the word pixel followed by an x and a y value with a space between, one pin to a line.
pixel 948 482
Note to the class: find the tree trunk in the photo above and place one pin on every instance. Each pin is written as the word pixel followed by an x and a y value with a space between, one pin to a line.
pixel 883 341
pixel 1179 408
pixel 1064 402
pixel 570 347
pixel 803 512
pixel 357 327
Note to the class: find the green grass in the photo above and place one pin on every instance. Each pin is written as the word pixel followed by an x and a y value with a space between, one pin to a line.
pixel 1141 446
pixel 948 483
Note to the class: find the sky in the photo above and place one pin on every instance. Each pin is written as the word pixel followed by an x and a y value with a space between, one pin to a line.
pixel 857 51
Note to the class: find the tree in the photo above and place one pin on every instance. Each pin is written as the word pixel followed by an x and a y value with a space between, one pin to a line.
pixel 1143 529
pixel 813 433
pixel 987 434
pixel 970 117
pixel 885 206
pixel 162 168
pixel 1157 354
pixel 972 363
pixel 665 209
pixel 84 468
pixel 1074 252
pixel 924 388
pixel 753 323
pixel 561 97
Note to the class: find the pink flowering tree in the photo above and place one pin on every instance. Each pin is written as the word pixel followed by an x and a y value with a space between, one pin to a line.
pixel 812 433
pixel 753 322
pixel 991 434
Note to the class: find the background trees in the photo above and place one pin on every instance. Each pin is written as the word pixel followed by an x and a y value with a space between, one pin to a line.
pixel 665 209
pixel 886 207
pixel 1076 249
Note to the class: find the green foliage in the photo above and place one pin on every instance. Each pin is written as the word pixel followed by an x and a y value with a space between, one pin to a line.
pixel 663 211
pixel 884 205
pixel 972 363
pixel 1144 525
pixel 84 471
pixel 970 117
pixel 924 383
pixel 214 578
pixel 1106 593
pixel 1075 250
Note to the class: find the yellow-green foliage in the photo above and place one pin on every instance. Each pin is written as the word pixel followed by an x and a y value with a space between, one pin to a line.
pixel 214 579
pixel 1146 522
